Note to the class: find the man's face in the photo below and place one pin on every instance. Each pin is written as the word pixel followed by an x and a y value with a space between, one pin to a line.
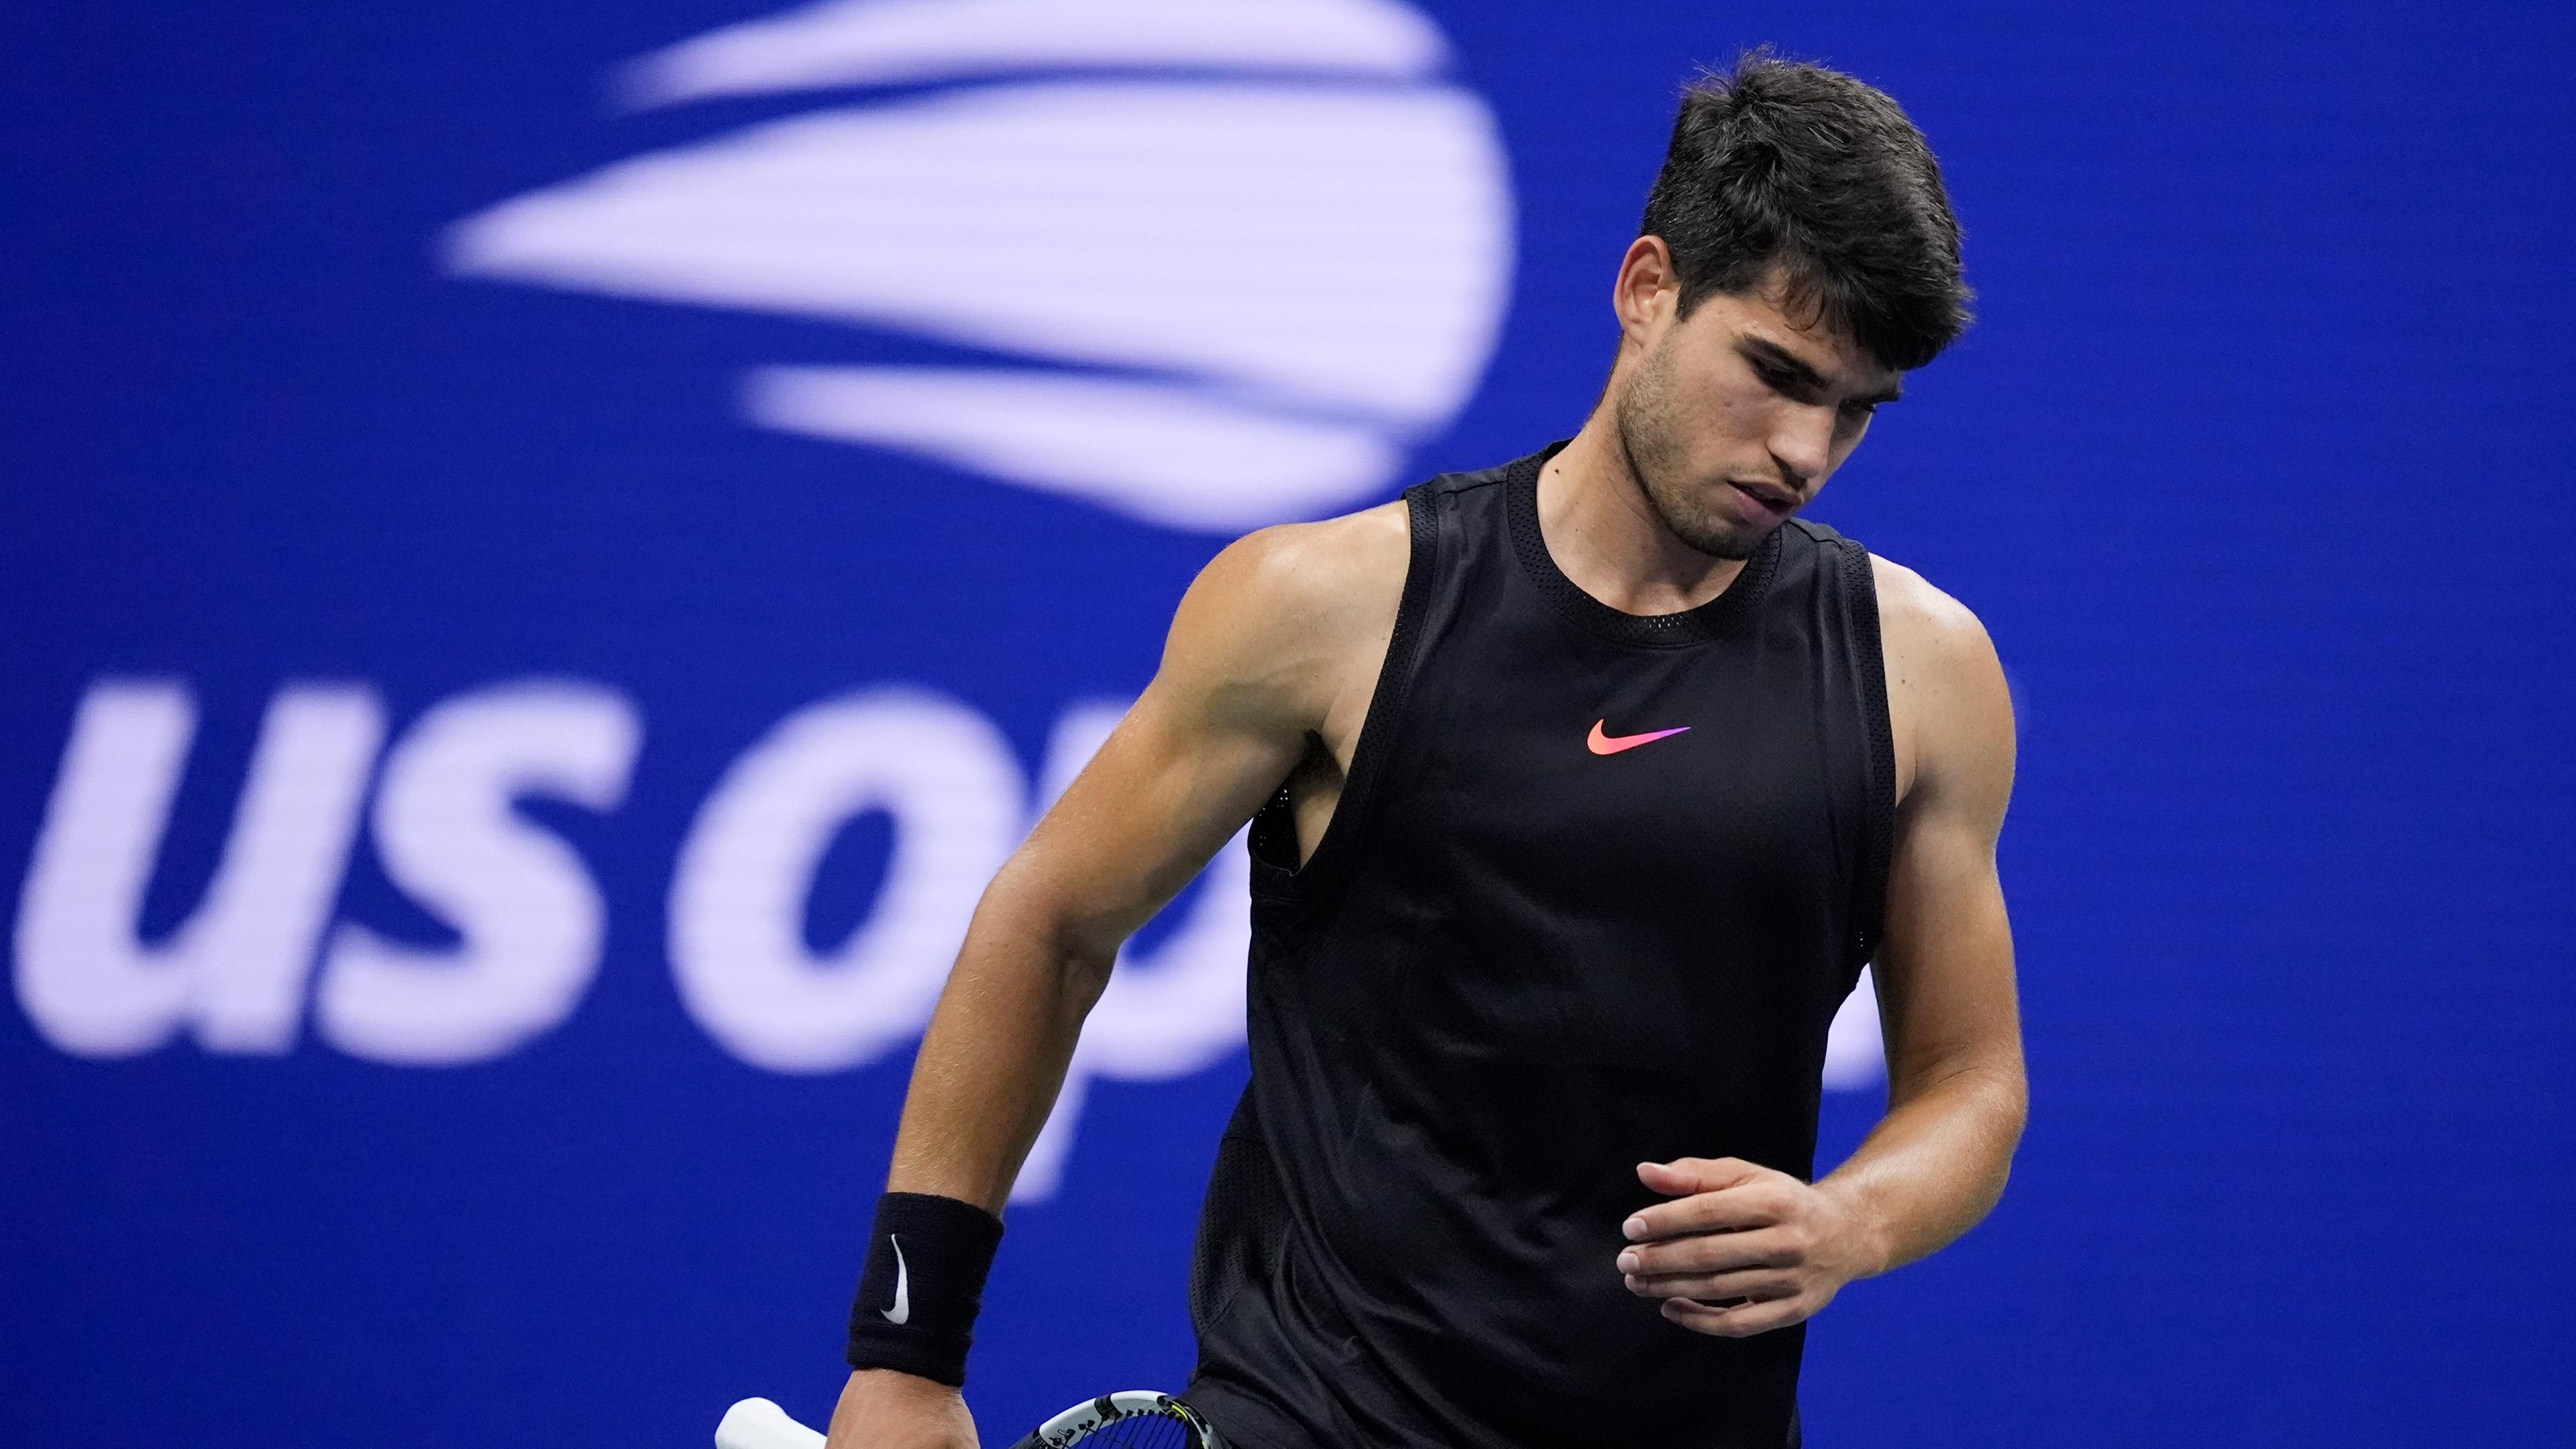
pixel 1736 415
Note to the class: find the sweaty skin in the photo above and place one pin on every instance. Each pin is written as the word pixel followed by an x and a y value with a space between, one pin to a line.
pixel 1713 430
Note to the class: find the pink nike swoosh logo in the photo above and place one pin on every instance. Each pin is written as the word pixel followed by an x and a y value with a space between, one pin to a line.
pixel 1604 744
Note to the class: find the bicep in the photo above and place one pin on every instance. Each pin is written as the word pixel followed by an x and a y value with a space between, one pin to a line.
pixel 1247 675
pixel 1166 790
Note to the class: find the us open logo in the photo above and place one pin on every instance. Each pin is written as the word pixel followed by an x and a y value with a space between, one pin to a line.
pixel 1229 261
pixel 1222 266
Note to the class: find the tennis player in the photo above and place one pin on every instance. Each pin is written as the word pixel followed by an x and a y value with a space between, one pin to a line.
pixel 1581 789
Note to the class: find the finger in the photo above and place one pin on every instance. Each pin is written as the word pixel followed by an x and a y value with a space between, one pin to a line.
pixel 1771 1247
pixel 1696 1174
pixel 1759 1284
pixel 1755 1203
pixel 1739 1322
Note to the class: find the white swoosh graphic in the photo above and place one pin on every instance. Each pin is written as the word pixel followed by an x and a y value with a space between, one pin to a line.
pixel 902 1286
pixel 1183 276
pixel 1109 222
pixel 885 42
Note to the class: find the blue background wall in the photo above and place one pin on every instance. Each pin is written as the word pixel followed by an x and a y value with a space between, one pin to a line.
pixel 2253 467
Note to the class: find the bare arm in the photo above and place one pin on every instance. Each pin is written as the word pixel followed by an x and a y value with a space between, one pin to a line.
pixel 1774 1250
pixel 1274 648
pixel 1956 1094
pixel 1268 653
pixel 1190 762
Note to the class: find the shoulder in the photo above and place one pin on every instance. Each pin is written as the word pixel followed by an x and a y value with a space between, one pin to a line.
pixel 1319 572
pixel 1948 704
pixel 1920 620
pixel 1282 615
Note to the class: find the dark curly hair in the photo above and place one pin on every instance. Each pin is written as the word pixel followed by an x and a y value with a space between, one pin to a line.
pixel 1790 165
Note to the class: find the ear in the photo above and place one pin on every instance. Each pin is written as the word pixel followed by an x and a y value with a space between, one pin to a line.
pixel 1649 290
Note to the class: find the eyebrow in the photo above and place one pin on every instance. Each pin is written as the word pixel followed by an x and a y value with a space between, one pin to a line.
pixel 1797 367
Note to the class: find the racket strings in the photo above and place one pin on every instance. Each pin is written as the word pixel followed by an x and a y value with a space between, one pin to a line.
pixel 1153 1431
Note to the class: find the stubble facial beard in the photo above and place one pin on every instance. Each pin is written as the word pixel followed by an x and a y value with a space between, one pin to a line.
pixel 1649 437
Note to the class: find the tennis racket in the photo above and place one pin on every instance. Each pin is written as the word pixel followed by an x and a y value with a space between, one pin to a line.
pixel 1136 1419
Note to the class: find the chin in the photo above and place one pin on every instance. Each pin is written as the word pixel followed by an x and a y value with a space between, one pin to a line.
pixel 1716 536
pixel 1706 516
pixel 1727 543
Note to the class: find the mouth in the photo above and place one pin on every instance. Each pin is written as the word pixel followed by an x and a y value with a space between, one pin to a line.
pixel 1772 501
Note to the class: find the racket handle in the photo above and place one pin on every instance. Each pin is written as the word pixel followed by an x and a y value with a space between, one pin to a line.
pixel 760 1424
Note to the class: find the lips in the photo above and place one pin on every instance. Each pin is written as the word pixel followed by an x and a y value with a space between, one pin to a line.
pixel 1776 502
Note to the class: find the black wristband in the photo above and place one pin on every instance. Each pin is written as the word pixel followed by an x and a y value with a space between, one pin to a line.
pixel 922 1286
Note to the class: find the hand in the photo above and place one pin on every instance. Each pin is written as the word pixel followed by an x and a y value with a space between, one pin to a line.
pixel 886 1409
pixel 1742 1249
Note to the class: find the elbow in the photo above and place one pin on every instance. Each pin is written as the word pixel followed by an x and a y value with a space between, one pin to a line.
pixel 2003 1092
pixel 1019 919
pixel 1084 969
pixel 1991 1091
pixel 1992 1107
pixel 2007 1105
pixel 2009 1086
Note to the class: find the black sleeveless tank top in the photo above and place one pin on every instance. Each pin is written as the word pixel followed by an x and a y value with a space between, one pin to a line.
pixel 1594 889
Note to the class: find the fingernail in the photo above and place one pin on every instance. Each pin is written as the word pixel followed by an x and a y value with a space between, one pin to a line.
pixel 1628 1262
pixel 1635 1228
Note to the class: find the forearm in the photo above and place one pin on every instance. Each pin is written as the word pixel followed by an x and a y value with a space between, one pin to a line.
pixel 996 1052
pixel 1936 1163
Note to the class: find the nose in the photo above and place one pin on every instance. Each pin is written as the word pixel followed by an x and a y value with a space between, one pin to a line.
pixel 1802 443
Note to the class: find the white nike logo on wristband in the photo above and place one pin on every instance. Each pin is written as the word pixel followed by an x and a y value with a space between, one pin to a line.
pixel 902 1297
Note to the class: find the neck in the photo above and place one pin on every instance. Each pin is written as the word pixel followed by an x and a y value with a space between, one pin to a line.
pixel 1607 538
